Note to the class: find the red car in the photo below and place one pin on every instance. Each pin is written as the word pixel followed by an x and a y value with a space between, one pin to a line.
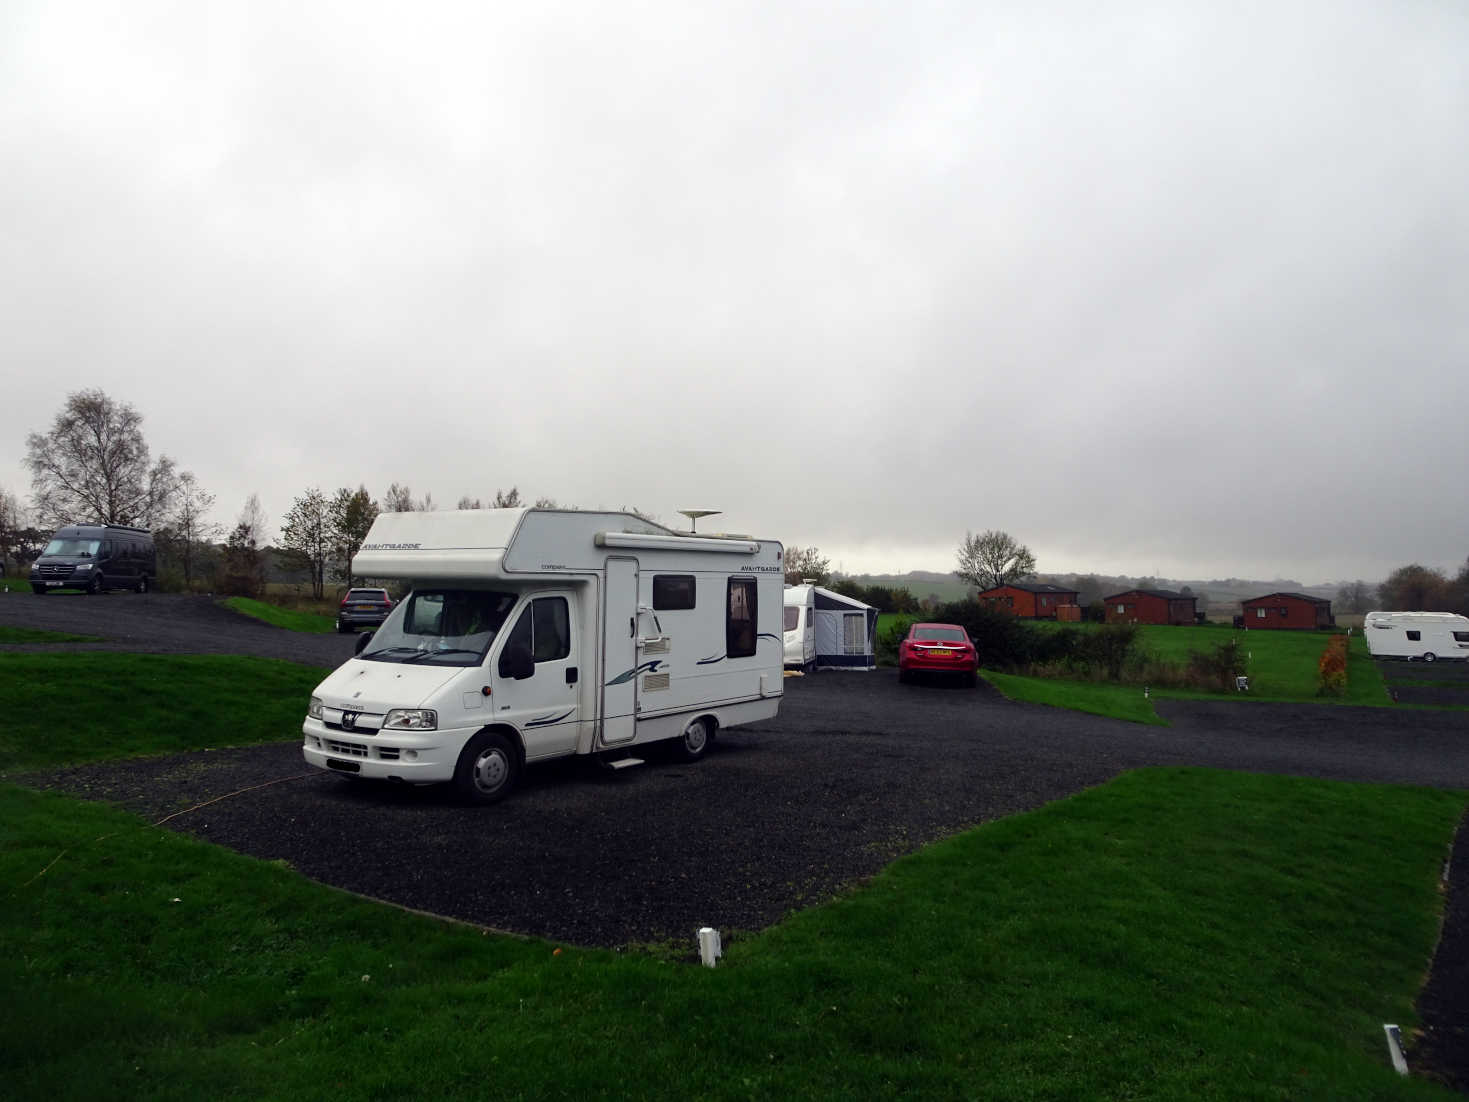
pixel 938 648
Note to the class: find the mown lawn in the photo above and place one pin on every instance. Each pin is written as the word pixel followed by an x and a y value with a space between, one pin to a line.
pixel 292 619
pixel 66 708
pixel 1177 933
pixel 10 634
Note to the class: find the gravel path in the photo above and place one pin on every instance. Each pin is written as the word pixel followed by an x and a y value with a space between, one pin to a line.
pixel 856 770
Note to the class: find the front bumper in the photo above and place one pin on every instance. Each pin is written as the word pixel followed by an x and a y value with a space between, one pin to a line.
pixel 426 757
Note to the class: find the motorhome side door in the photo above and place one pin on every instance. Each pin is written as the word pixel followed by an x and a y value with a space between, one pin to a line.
pixel 620 652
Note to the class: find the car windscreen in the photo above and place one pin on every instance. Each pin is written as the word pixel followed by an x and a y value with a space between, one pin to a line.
pixel 74 547
pixel 943 635
pixel 441 627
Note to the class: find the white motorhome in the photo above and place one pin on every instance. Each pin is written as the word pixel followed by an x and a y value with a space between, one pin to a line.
pixel 800 627
pixel 1416 635
pixel 532 634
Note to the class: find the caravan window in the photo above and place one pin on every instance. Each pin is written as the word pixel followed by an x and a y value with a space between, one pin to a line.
pixel 672 591
pixel 1414 636
pixel 793 618
pixel 739 618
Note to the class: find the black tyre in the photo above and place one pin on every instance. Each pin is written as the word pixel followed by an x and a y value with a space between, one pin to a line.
pixel 96 585
pixel 693 744
pixel 488 769
pixel 1430 657
pixel 341 628
pixel 142 586
pixel 904 676
pixel 39 590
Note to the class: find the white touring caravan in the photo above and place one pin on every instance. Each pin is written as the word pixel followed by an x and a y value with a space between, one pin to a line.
pixel 800 627
pixel 536 633
pixel 1416 635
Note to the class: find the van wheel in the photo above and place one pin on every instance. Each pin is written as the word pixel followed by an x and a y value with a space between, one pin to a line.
pixel 693 744
pixel 487 769
pixel 94 587
pixel 1430 657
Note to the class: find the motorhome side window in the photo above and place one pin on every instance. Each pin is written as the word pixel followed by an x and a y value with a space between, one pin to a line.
pixel 544 629
pixel 1414 636
pixel 672 591
pixel 739 620
pixel 1461 637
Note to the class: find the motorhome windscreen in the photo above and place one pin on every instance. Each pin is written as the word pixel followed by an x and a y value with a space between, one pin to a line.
pixel 441 627
pixel 74 547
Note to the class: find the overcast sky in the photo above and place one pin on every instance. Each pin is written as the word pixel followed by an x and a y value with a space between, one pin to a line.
pixel 1173 288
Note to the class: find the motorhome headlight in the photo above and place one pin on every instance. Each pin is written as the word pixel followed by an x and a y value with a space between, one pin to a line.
pixel 411 719
pixel 313 710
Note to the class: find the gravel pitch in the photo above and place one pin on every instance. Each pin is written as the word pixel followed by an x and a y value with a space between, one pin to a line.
pixel 857 769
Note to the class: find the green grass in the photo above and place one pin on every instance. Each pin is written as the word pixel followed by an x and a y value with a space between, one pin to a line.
pixel 312 623
pixel 1098 698
pixel 66 708
pixel 1173 934
pixel 10 634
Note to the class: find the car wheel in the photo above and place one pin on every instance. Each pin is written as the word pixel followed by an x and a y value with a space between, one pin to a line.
pixel 1430 657
pixel 487 769
pixel 693 744
pixel 94 587
pixel 142 586
pixel 341 627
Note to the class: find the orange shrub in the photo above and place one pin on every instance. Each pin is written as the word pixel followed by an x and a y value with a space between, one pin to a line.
pixel 1333 667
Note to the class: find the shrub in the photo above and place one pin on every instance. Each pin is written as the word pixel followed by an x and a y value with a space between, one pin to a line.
pixel 1217 667
pixel 1332 669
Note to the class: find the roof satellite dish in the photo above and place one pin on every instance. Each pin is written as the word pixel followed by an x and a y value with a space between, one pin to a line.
pixel 695 514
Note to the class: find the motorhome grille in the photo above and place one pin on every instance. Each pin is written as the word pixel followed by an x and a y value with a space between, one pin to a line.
pixel 358 729
pixel 652 682
pixel 659 645
pixel 347 749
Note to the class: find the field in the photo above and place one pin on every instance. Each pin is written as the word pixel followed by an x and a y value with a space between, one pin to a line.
pixel 1177 932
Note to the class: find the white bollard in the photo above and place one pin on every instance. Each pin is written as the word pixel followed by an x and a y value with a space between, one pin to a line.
pixel 709 947
pixel 1395 1049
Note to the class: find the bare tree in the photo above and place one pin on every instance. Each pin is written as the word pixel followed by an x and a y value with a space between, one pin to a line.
pixel 505 500
pixel 93 465
pixel 993 559
pixel 192 528
pixel 806 564
pixel 1354 597
pixel 306 538
pixel 467 502
pixel 1415 588
pixel 398 499
pixel 256 523
pixel 352 514
pixel 12 525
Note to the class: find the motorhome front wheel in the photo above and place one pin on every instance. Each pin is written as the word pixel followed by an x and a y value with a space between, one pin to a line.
pixel 487 768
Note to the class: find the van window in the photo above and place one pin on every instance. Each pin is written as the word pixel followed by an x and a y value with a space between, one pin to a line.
pixel 793 618
pixel 739 618
pixel 544 629
pixel 1414 636
pixel 673 591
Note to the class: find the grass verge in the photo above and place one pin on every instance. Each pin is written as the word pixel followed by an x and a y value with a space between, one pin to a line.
pixel 126 705
pixel 312 623
pixel 1176 933
pixel 1099 698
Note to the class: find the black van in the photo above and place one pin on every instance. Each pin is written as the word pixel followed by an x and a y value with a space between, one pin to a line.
pixel 96 557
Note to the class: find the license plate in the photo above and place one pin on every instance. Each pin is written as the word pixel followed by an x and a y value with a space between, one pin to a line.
pixel 362 608
pixel 55 583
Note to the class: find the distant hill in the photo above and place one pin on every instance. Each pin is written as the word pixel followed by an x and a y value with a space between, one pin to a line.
pixel 1219 597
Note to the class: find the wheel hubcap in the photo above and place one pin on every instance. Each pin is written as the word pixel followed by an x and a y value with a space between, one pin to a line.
pixel 694 737
pixel 490 771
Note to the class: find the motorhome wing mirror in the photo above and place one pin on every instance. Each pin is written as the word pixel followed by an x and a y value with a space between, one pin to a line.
pixel 362 641
pixel 516 663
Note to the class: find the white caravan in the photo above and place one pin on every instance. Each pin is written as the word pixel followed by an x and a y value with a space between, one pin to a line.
pixel 534 633
pixel 1410 635
pixel 800 627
